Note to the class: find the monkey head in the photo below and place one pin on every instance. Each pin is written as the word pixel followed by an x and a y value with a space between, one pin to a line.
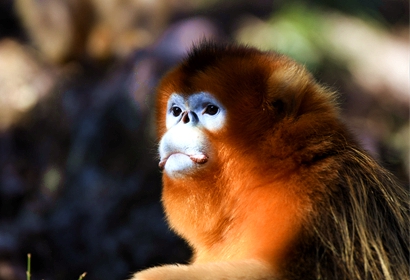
pixel 218 105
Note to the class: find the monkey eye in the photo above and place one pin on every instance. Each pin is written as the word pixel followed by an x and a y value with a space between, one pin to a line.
pixel 176 111
pixel 211 110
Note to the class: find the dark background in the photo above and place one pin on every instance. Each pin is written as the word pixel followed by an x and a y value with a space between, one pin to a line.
pixel 79 183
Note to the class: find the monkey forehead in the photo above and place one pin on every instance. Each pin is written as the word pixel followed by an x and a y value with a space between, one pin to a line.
pixel 197 103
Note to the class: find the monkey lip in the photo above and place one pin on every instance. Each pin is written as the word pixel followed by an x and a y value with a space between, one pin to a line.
pixel 198 158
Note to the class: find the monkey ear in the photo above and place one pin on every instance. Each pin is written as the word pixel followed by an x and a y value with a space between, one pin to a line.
pixel 286 89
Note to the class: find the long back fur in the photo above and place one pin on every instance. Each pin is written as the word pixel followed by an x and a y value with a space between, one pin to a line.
pixel 363 234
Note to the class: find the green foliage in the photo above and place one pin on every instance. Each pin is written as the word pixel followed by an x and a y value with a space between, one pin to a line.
pixel 28 273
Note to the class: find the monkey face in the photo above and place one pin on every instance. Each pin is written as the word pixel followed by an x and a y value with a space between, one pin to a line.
pixel 184 148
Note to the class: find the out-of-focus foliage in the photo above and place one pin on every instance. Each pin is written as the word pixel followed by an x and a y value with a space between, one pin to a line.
pixel 295 30
pixel 315 37
pixel 23 81
pixel 79 184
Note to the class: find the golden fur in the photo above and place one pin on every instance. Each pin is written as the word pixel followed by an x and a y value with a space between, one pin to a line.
pixel 290 194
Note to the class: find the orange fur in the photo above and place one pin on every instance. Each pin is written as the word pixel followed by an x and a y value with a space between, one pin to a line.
pixel 278 164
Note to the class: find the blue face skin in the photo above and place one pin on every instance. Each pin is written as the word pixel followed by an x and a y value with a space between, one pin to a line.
pixel 184 148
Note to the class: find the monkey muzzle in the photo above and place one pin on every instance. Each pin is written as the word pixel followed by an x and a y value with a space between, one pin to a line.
pixel 200 159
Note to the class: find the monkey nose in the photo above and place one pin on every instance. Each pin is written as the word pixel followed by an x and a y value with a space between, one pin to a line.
pixel 188 116
pixel 185 117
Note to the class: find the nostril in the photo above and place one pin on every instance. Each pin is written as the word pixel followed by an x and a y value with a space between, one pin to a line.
pixel 185 117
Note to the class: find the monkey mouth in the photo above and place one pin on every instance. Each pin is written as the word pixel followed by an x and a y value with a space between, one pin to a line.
pixel 199 158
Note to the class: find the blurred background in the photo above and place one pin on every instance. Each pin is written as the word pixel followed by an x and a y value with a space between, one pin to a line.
pixel 79 182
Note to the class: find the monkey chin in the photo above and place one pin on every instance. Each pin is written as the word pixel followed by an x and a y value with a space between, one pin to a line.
pixel 181 164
